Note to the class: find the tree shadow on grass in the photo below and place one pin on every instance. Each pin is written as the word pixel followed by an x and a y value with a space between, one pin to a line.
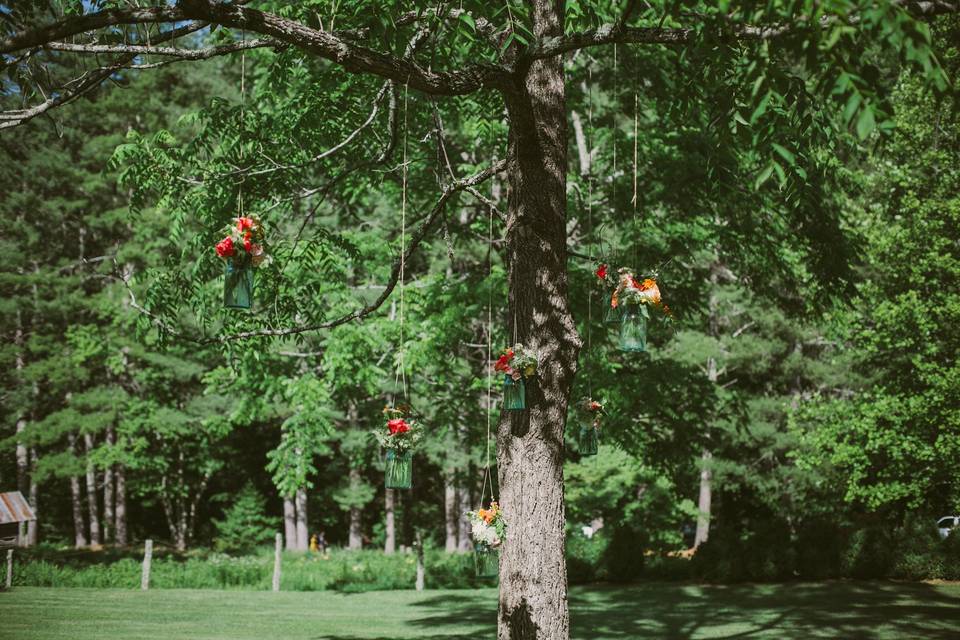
pixel 868 610
pixel 821 610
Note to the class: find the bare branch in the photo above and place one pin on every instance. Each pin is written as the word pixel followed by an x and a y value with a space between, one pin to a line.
pixel 87 82
pixel 175 52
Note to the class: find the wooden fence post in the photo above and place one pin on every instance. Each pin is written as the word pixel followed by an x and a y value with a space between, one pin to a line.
pixel 9 581
pixel 276 562
pixel 147 558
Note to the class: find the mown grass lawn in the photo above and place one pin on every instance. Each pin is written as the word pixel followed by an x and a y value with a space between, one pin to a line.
pixel 876 610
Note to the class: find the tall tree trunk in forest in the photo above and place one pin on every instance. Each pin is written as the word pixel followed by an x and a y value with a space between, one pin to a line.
pixel 703 503
pixel 355 539
pixel 26 456
pixel 464 541
pixel 290 524
pixel 120 477
pixel 108 498
pixel 93 508
pixel 533 573
pixel 303 532
pixel 76 500
pixel 705 497
pixel 390 524
pixel 33 498
pixel 450 512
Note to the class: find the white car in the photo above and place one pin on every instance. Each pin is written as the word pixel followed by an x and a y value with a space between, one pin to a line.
pixel 947 524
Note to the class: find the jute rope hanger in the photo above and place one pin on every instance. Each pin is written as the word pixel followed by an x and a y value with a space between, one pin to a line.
pixel 401 373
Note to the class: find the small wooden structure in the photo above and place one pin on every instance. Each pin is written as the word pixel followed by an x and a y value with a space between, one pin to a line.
pixel 14 510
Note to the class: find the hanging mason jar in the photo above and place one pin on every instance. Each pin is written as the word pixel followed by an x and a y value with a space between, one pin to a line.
pixel 237 285
pixel 514 394
pixel 633 330
pixel 399 469
pixel 588 440
pixel 486 560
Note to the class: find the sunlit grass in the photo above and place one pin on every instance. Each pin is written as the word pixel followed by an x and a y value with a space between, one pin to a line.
pixel 876 610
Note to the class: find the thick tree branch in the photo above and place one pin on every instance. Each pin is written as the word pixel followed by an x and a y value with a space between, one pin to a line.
pixel 350 56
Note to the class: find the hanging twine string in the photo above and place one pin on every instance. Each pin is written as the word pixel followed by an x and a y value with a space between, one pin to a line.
pixel 243 94
pixel 592 235
pixel 487 476
pixel 402 373
pixel 636 128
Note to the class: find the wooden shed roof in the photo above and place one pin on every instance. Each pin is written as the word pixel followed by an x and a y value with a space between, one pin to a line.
pixel 13 508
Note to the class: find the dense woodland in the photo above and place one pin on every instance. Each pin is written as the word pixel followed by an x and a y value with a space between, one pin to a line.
pixel 806 391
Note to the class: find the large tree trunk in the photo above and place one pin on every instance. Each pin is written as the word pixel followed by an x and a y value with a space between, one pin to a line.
pixel 121 510
pixel 109 512
pixel 92 506
pixel 76 501
pixel 533 574
pixel 450 511
pixel 355 540
pixel 303 533
pixel 290 524
pixel 390 525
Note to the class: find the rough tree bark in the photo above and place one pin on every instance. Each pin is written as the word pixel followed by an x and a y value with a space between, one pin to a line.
pixel 121 510
pixel 303 533
pixel 533 574
pixel 390 533
pixel 76 500
pixel 290 524
pixel 92 506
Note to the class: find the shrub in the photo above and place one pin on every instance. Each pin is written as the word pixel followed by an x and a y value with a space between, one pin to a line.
pixel 245 525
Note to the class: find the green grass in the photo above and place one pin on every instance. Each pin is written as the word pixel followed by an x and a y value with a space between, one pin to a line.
pixel 875 610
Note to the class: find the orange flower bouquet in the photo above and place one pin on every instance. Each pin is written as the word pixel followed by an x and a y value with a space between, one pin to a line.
pixel 488 527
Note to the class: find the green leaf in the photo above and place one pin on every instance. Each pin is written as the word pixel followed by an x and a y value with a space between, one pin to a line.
pixel 467 18
pixel 784 153
pixel 865 123
pixel 764 175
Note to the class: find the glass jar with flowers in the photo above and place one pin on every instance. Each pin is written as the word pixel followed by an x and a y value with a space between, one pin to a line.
pixel 488 530
pixel 635 298
pixel 401 434
pixel 589 413
pixel 518 364
pixel 242 250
